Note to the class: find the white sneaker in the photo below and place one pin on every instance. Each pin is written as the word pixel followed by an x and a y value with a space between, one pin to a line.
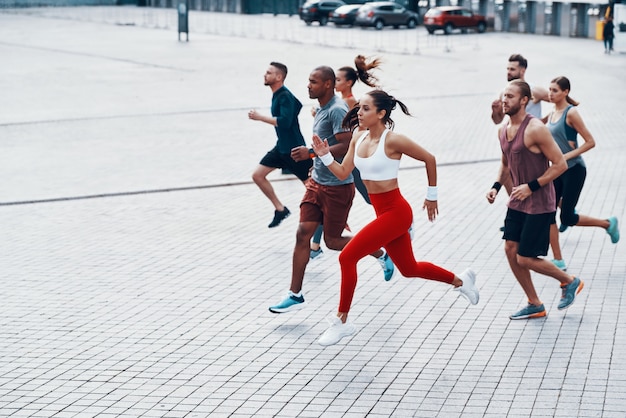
pixel 336 331
pixel 469 290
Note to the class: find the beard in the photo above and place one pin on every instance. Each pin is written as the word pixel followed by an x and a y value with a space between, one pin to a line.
pixel 513 110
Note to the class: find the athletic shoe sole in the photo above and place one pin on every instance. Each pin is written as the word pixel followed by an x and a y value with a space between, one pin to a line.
pixel 294 307
pixel 531 316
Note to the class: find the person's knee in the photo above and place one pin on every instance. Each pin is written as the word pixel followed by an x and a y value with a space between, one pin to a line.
pixel 334 243
pixel 569 218
pixel 304 234
pixel 510 248
pixel 345 258
pixel 258 177
pixel 524 262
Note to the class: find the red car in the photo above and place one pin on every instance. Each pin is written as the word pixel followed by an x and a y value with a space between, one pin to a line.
pixel 450 18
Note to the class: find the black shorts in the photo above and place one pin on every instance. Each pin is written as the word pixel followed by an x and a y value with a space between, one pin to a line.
pixel 532 232
pixel 275 159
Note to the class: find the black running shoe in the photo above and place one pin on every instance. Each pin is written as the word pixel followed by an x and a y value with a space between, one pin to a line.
pixel 278 217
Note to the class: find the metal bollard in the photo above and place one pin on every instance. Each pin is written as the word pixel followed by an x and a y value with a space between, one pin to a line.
pixel 183 18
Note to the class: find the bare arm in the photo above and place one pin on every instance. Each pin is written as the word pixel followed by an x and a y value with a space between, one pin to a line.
pixel 497 114
pixel 502 176
pixel 302 153
pixel 575 121
pixel 343 143
pixel 254 115
pixel 403 145
pixel 539 94
pixel 397 145
pixel 340 170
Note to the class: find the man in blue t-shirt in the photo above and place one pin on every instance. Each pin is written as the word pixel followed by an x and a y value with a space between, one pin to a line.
pixel 327 199
pixel 285 110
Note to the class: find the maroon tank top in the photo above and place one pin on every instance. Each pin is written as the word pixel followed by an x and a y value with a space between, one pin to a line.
pixel 526 166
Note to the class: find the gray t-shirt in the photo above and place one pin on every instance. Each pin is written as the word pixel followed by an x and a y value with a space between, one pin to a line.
pixel 534 108
pixel 326 124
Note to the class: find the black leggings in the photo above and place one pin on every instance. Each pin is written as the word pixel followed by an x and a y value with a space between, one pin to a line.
pixel 568 187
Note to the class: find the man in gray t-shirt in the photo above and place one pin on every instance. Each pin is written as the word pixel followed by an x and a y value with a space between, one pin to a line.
pixel 327 199
pixel 327 123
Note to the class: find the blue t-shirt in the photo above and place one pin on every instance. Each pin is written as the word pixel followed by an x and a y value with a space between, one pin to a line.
pixel 326 124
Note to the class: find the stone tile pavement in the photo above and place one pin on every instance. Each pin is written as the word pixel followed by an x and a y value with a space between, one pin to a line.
pixel 136 266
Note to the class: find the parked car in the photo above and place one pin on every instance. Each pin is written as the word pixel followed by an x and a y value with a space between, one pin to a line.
pixel 345 15
pixel 386 13
pixel 318 11
pixel 449 18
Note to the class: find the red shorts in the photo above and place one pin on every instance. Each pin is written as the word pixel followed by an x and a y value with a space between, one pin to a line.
pixel 329 205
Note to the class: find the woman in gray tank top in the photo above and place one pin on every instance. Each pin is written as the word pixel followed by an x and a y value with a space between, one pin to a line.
pixel 565 124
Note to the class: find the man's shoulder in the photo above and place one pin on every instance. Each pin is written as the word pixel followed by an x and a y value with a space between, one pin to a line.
pixel 282 90
pixel 333 108
pixel 337 105
pixel 537 129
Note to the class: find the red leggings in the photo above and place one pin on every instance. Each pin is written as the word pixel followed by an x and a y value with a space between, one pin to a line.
pixel 390 230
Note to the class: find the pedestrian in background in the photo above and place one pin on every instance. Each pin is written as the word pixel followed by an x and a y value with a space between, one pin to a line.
pixel 608 35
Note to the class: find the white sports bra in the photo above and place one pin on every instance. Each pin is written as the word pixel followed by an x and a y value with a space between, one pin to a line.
pixel 377 166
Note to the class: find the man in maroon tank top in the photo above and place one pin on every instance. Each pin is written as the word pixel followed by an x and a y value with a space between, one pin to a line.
pixel 533 160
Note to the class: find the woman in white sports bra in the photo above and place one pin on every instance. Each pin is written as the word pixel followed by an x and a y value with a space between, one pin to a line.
pixel 376 153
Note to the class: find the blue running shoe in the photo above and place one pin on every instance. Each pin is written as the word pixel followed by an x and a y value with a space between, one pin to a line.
pixel 613 230
pixel 569 292
pixel 560 264
pixel 387 265
pixel 316 253
pixel 290 303
pixel 529 312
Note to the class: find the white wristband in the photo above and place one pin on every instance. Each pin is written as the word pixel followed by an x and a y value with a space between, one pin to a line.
pixel 327 159
pixel 431 193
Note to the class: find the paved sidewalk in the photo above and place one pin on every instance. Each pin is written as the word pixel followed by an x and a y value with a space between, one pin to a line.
pixel 136 267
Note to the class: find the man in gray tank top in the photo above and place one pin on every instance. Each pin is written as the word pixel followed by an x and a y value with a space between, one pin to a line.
pixel 516 70
pixel 532 160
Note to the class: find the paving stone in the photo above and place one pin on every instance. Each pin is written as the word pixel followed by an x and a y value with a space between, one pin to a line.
pixel 137 268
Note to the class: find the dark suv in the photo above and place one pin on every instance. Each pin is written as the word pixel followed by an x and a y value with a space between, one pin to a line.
pixel 318 11
pixel 449 18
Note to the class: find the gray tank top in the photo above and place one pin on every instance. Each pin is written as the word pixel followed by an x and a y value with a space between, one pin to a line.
pixel 563 134
pixel 534 108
